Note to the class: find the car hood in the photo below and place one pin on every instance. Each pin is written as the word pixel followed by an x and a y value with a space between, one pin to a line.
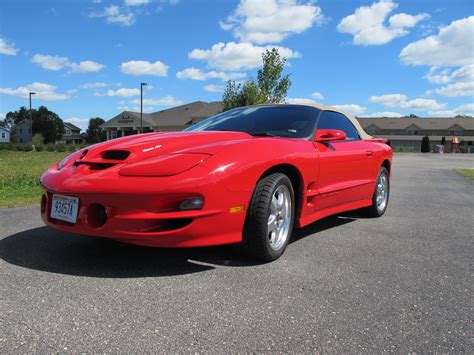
pixel 137 148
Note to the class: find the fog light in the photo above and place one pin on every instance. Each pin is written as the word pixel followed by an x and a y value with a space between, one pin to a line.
pixel 194 203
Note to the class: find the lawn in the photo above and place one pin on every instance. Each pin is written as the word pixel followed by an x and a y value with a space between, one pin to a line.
pixel 20 173
pixel 468 172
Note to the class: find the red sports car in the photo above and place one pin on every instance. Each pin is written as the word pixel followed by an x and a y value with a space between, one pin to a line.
pixel 248 175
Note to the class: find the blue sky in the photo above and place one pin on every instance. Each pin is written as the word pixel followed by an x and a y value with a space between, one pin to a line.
pixel 86 58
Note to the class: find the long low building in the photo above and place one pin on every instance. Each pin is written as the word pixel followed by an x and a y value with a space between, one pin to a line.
pixel 172 119
pixel 402 132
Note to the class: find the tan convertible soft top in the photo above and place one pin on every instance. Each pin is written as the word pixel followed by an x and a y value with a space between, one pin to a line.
pixel 363 134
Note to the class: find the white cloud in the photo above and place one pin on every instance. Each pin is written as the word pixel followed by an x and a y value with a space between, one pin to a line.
pixel 7 48
pixel 466 109
pixel 122 92
pixel 164 101
pixel 300 101
pixel 385 114
pixel 367 23
pixel 402 102
pixel 94 85
pixel 452 46
pixel 136 2
pixel 86 66
pixel 457 89
pixel 50 62
pixel 198 74
pixel 352 109
pixel 2 115
pixel 317 96
pixel 114 14
pixel 43 92
pixel 236 56
pixel 214 88
pixel 271 21
pixel 142 67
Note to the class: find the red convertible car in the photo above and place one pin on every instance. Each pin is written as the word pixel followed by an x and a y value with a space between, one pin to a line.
pixel 248 175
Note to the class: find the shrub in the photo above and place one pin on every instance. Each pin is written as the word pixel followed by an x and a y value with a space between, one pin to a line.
pixel 425 145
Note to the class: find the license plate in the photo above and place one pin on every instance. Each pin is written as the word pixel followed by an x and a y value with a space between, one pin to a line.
pixel 65 208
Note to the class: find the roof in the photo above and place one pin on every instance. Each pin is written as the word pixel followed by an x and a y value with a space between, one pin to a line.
pixel 128 119
pixel 185 114
pixel 5 128
pixel 178 116
pixel 432 123
pixel 71 126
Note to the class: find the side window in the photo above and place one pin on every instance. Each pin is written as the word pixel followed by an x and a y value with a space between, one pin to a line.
pixel 335 120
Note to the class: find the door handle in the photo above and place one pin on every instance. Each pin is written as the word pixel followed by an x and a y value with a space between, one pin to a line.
pixel 370 153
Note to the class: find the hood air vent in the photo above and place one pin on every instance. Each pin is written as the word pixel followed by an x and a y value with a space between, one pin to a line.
pixel 115 155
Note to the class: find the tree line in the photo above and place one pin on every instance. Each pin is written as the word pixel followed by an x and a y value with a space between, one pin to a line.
pixel 48 127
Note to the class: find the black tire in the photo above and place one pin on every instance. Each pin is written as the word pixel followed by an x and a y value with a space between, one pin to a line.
pixel 255 238
pixel 374 210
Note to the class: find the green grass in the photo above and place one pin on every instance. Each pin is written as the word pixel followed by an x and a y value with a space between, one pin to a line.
pixel 467 172
pixel 20 173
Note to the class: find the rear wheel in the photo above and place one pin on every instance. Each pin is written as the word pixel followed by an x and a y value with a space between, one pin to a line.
pixel 269 220
pixel 381 194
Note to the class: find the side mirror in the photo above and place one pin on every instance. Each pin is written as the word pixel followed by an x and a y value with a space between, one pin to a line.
pixel 328 135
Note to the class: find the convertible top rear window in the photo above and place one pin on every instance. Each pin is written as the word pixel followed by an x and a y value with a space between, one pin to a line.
pixel 292 121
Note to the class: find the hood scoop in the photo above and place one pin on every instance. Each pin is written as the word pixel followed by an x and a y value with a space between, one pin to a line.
pixel 115 154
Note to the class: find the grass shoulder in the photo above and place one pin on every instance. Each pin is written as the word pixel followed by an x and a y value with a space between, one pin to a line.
pixel 467 172
pixel 20 173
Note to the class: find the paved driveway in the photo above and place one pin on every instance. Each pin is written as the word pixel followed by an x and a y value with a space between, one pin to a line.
pixel 398 283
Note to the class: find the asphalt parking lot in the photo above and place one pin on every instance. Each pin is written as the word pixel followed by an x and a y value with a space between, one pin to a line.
pixel 399 283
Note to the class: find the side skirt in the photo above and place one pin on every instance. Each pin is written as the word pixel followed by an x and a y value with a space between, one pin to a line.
pixel 304 221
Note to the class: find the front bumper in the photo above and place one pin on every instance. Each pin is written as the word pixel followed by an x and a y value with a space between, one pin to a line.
pixel 143 210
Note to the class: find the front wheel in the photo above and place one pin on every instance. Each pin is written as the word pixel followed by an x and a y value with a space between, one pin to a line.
pixel 381 194
pixel 269 220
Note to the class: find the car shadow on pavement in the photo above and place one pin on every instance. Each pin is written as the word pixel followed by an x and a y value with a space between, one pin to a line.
pixel 46 249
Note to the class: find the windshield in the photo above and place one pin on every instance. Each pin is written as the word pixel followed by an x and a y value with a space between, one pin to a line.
pixel 290 121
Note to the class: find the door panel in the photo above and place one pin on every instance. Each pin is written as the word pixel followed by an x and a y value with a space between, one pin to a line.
pixel 345 167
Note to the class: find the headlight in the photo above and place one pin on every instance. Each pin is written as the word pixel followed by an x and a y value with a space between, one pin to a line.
pixel 166 165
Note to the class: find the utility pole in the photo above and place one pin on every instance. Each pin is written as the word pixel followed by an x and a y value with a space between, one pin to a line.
pixel 141 106
pixel 31 93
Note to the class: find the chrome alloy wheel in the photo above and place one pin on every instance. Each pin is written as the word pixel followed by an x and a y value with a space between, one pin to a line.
pixel 279 219
pixel 382 192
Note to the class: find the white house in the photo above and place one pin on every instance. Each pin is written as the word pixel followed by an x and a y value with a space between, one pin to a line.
pixel 4 135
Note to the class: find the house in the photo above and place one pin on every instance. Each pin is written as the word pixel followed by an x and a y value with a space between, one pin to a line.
pixel 172 119
pixel 4 135
pixel 23 131
pixel 408 132
pixel 72 135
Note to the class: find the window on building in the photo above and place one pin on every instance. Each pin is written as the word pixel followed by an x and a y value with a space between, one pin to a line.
pixel 3 135
pixel 335 120
pixel 113 134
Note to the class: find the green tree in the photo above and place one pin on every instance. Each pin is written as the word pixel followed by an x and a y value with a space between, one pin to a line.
pixel 270 86
pixel 46 122
pixel 95 134
pixel 425 145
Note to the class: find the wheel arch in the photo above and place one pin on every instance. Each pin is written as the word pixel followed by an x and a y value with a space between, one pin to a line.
pixel 387 165
pixel 296 179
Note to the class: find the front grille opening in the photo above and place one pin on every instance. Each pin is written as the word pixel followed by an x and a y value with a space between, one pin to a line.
pixel 166 225
pixel 115 154
pixel 96 215
pixel 44 203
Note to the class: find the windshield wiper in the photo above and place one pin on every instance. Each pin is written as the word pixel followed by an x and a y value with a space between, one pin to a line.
pixel 261 134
